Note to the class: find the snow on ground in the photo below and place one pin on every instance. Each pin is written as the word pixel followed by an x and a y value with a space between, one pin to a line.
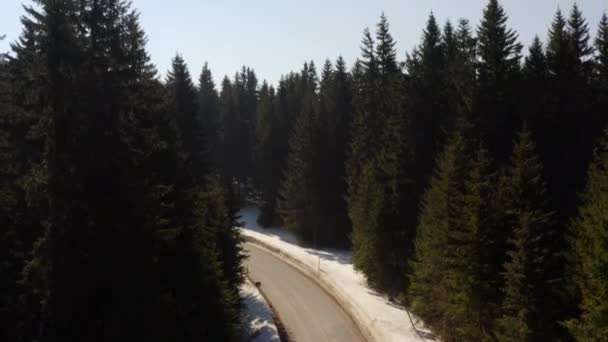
pixel 385 321
pixel 256 316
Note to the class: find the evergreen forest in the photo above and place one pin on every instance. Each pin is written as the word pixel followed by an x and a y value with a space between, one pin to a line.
pixel 468 176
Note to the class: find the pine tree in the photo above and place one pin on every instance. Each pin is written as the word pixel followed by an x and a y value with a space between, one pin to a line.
pixel 569 111
pixel 335 97
pixel 601 72
pixel 525 313
pixel 579 34
pixel 440 204
pixel 601 46
pixel 299 204
pixel 427 103
pixel 206 242
pixel 385 49
pixel 285 105
pixel 426 99
pixel 183 105
pixel 582 95
pixel 589 252
pixel 365 125
pixel 379 234
pixel 474 252
pixel 229 124
pixel 115 164
pixel 536 77
pixel 238 101
pixel 558 45
pixel 208 100
pixel 266 169
pixel 498 68
pixel 460 55
pixel 21 212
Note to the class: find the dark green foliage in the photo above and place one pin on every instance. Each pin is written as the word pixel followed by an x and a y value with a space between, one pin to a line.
pixel 475 250
pixel 272 152
pixel 267 165
pixel 299 204
pixel 111 229
pixel 498 68
pixel 237 103
pixel 364 125
pixel 21 186
pixel 335 97
pixel 526 312
pixel 201 234
pixel 312 195
pixel 201 294
pixel 183 106
pixel 440 206
pixel 579 36
pixel 601 46
pixel 119 193
pixel 589 262
pixel 92 163
pixel 208 100
pixel 600 74
pixel 535 74
pixel 566 153
pixel 376 174
pixel 427 100
pixel 459 243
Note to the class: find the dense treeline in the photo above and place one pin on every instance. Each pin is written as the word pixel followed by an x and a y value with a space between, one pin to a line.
pixel 114 225
pixel 464 177
pixel 469 179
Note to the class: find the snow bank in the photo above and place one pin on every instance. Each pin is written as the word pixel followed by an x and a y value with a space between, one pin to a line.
pixel 256 316
pixel 383 320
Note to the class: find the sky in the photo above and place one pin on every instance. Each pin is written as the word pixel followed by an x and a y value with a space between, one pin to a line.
pixel 275 37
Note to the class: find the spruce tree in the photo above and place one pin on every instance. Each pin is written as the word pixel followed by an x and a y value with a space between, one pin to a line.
pixel 526 312
pixel 601 72
pixel 601 47
pixel 208 100
pixel 265 164
pixel 22 202
pixel 427 102
pixel 365 125
pixel 580 39
pixel 205 241
pixel 93 199
pixel 238 101
pixel 335 97
pixel 281 114
pixel 589 253
pixel 378 139
pixel 498 68
pixel 183 105
pixel 475 248
pixel 460 63
pixel 118 173
pixel 535 74
pixel 299 198
pixel 569 111
pixel 440 204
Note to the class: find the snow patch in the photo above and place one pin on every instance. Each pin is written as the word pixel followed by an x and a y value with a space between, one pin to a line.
pixel 385 320
pixel 256 316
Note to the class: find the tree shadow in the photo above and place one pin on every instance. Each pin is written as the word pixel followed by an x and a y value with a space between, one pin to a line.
pixel 342 257
pixel 265 331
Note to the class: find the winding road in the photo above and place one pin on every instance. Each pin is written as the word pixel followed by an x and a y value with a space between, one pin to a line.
pixel 307 312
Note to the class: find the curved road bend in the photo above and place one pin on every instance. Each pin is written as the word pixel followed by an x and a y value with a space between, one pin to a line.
pixel 306 311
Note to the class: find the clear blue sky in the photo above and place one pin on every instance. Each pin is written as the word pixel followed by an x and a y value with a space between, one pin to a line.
pixel 277 36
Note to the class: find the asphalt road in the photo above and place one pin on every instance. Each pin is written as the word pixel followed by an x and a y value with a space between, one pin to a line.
pixel 306 311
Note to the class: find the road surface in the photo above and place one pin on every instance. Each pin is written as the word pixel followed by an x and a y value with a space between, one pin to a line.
pixel 306 311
